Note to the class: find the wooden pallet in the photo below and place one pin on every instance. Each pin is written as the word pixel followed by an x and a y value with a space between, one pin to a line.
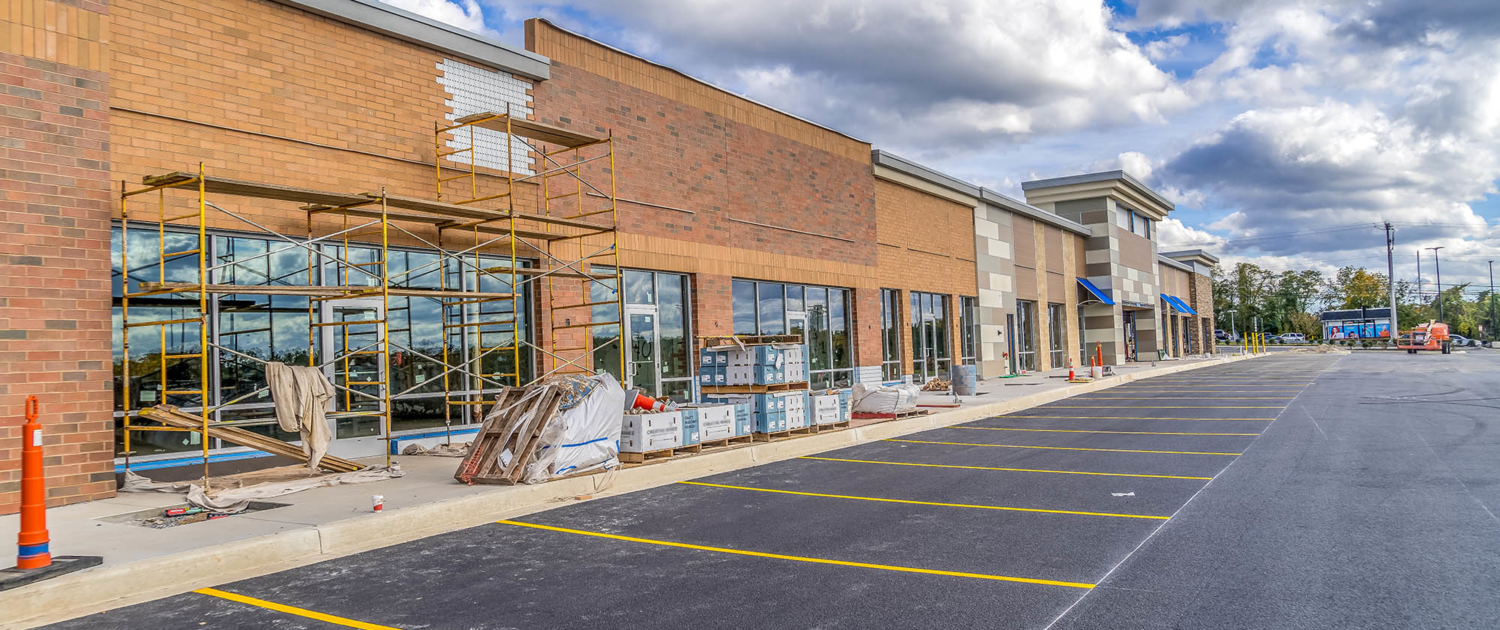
pixel 772 437
pixel 807 430
pixel 755 389
pixel 891 416
pixel 835 426
pixel 717 341
pixel 171 416
pixel 729 441
pixel 659 455
pixel 515 423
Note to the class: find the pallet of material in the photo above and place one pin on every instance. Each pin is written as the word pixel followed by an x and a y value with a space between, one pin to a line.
pixel 755 389
pixel 773 437
pixel 514 424
pixel 726 442
pixel 719 341
pixel 859 415
pixel 659 455
pixel 171 416
pixel 834 426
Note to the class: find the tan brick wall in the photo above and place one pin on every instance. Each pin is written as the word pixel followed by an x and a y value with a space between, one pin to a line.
pixel 54 245
pixel 926 243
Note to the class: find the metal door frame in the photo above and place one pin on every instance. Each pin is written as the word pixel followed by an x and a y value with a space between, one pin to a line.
pixel 627 337
pixel 365 445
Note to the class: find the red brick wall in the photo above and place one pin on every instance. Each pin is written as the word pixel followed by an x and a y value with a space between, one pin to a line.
pixel 54 248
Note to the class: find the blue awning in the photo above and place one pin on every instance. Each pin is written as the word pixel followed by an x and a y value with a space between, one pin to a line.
pixel 1178 305
pixel 1095 290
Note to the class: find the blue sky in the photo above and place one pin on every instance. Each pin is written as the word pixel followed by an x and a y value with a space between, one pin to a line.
pixel 1258 117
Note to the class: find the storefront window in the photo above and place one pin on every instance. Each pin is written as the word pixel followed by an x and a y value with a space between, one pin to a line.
pixel 255 327
pixel 1026 341
pixel 968 326
pixel 1057 334
pixel 890 335
pixel 657 334
pixel 762 308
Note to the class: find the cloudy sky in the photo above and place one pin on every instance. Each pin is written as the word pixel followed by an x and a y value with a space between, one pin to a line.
pixel 1283 129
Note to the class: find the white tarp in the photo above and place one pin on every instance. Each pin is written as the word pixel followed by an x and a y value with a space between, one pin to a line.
pixel 885 398
pixel 232 500
pixel 583 438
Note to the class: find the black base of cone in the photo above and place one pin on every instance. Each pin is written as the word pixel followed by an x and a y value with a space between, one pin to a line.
pixel 13 577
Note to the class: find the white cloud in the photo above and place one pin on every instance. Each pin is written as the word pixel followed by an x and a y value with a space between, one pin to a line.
pixel 1167 47
pixel 960 73
pixel 465 14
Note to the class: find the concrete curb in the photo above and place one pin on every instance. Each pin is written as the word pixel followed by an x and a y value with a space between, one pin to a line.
pixel 105 588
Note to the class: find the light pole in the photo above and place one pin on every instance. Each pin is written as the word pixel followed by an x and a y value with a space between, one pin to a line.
pixel 1439 266
pixel 1492 300
pixel 1232 334
pixel 1390 270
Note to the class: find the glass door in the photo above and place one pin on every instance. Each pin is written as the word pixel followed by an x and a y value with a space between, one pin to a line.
pixel 350 354
pixel 644 353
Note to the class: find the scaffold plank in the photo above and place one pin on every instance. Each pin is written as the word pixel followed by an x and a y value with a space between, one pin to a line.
pixel 316 291
pixel 241 188
pixel 530 129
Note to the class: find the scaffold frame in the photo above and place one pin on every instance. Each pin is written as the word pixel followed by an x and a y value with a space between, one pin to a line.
pixel 383 215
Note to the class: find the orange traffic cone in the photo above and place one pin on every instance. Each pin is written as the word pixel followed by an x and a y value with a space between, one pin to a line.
pixel 34 559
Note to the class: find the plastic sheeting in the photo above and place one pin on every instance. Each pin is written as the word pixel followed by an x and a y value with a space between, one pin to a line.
pixel 584 438
pixel 885 398
pixel 237 499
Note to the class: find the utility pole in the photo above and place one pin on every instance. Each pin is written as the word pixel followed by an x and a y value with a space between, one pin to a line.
pixel 1439 266
pixel 1492 301
pixel 1419 276
pixel 1390 270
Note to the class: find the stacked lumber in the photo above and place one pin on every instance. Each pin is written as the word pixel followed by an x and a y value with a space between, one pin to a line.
pixel 510 434
pixel 937 385
pixel 170 415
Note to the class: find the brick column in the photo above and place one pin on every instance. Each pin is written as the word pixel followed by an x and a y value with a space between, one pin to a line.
pixel 55 201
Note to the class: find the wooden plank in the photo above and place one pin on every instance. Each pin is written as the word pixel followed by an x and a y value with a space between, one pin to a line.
pixel 755 389
pixel 171 416
pixel 443 208
pixel 530 129
pixel 442 222
pixel 241 188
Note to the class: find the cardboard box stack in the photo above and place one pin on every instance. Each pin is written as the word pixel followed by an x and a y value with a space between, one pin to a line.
pixel 717 422
pixel 689 426
pixel 651 432
pixel 744 411
pixel 826 410
pixel 713 368
pixel 795 404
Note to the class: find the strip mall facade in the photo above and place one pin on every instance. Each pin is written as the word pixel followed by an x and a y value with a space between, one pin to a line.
pixel 736 218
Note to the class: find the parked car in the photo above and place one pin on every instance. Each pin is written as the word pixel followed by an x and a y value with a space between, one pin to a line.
pixel 1463 342
pixel 1293 338
pixel 1270 339
pixel 1223 336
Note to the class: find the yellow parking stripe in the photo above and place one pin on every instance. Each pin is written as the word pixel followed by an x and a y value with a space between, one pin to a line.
pixel 1088 398
pixel 956 505
pixel 777 556
pixel 1160 407
pixel 1135 418
pixel 292 610
pixel 1064 448
pixel 1091 431
pixel 1031 470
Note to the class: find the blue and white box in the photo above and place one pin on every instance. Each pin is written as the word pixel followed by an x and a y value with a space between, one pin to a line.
pixel 643 433
pixel 690 431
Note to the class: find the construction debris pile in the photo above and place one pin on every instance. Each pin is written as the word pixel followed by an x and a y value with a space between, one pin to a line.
pixel 936 385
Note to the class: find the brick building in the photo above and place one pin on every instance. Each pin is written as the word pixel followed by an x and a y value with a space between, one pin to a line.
pixel 735 218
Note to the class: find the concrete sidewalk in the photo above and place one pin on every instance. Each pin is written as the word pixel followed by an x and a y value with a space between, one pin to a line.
pixel 141 564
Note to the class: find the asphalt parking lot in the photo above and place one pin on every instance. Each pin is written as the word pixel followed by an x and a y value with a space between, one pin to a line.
pixel 1154 504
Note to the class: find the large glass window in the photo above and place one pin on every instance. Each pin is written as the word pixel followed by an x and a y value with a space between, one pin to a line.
pixel 1057 334
pixel 931 354
pixel 890 335
pixel 1026 341
pixel 968 329
pixel 253 327
pixel 657 332
pixel 763 308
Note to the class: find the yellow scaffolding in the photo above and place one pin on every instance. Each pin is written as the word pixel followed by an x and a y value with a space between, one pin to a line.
pixel 383 214
pixel 565 257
